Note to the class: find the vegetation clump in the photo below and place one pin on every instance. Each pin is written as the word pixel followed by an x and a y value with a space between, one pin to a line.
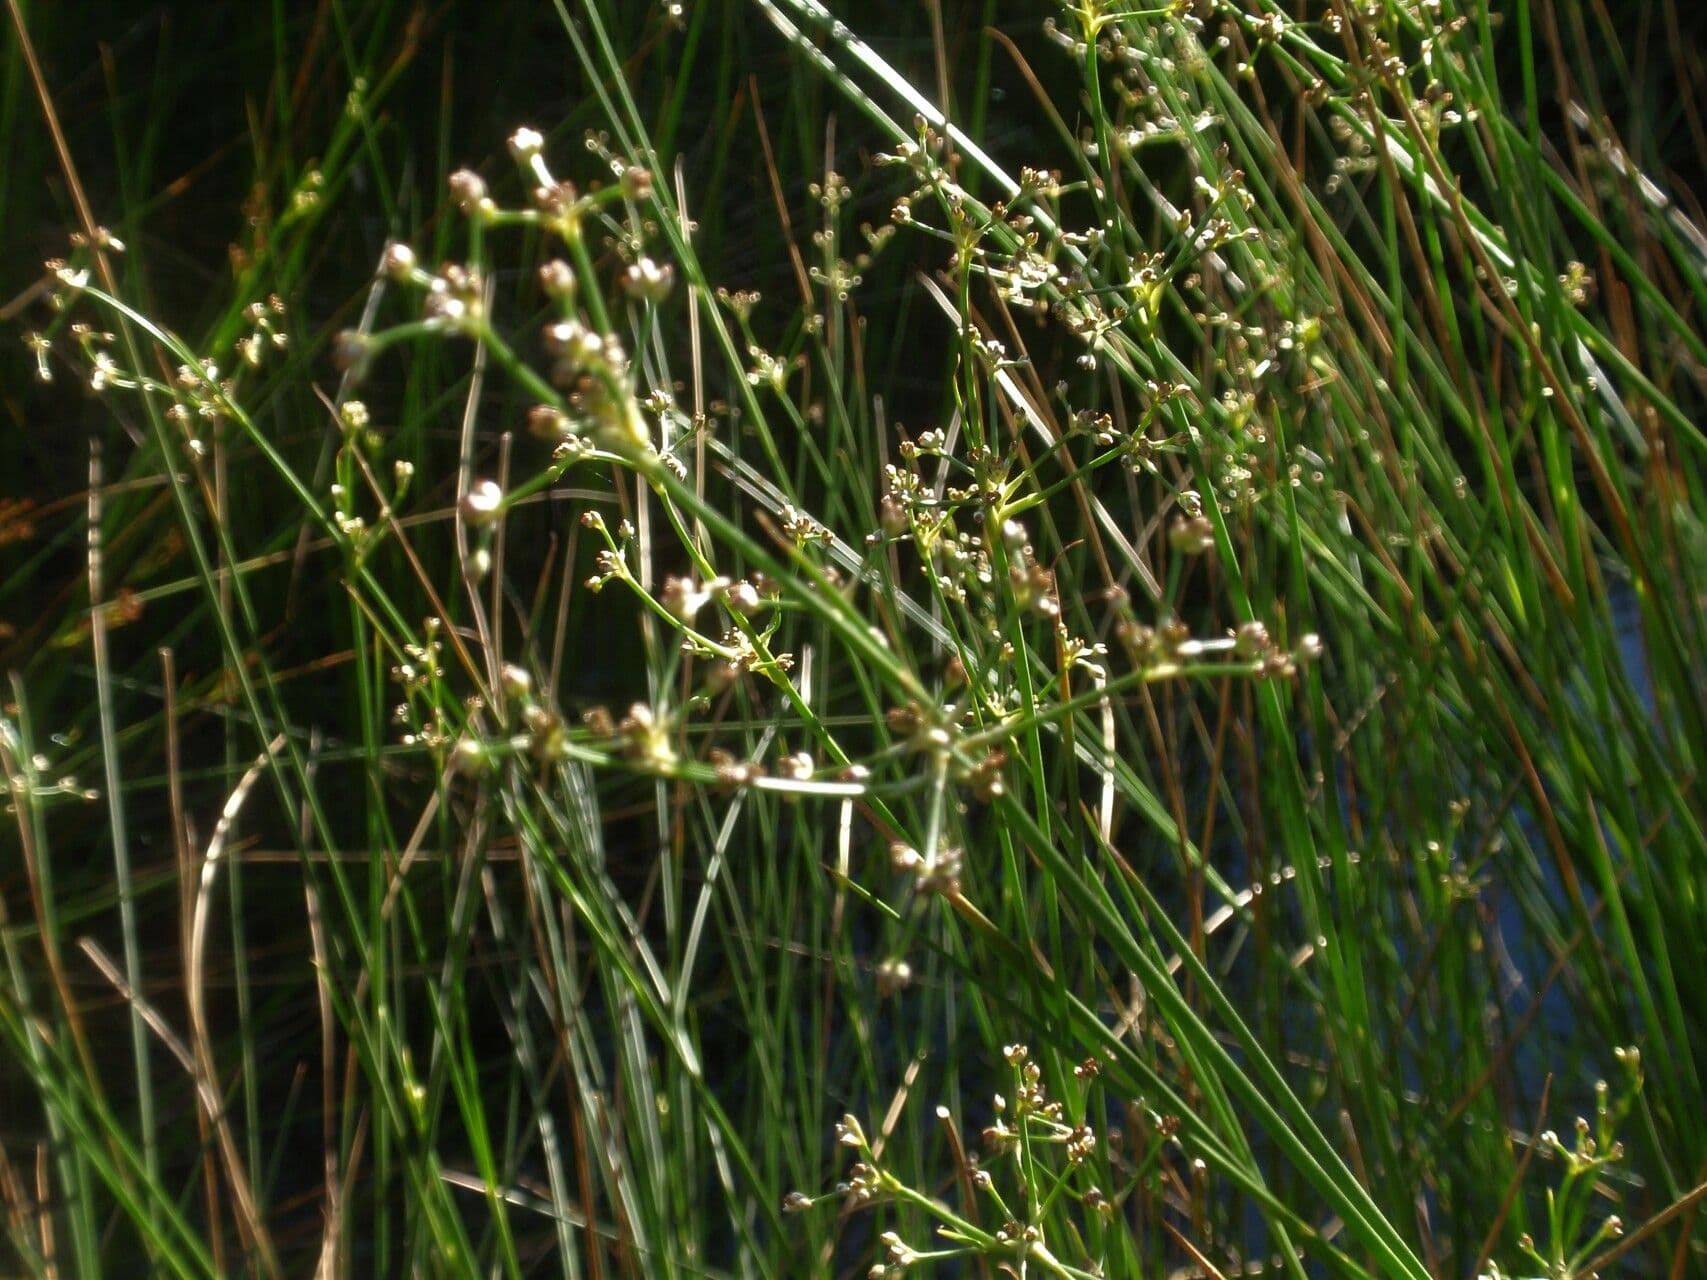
pixel 1056 645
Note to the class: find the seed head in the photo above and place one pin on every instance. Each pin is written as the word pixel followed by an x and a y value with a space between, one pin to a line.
pixel 555 199
pixel 516 682
pixel 893 976
pixel 742 598
pixel 684 598
pixel 482 503
pixel 849 1133
pixel 557 279
pixel 526 145
pixel 574 344
pixel 1192 535
pixel 469 758
pixel 549 424
pixel 399 261
pixel 648 280
pixel 1252 640
pixel 468 189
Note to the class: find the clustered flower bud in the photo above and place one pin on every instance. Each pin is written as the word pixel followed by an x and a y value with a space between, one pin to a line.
pixel 399 261
pixel 468 190
pixel 647 280
pixel 483 502
pixel 1191 535
pixel 557 279
pixel 526 145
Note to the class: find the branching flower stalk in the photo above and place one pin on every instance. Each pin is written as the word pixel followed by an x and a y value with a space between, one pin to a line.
pixel 591 408
pixel 1051 1160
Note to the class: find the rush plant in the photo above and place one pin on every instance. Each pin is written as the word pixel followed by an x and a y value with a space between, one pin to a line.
pixel 1053 643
